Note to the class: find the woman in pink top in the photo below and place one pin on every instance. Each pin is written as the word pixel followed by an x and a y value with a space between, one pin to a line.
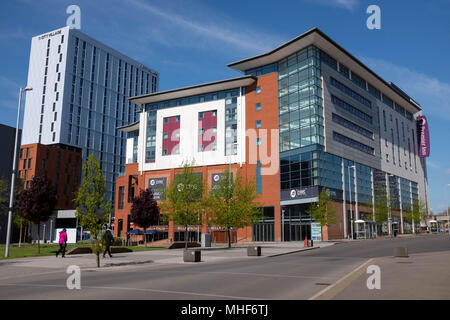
pixel 62 242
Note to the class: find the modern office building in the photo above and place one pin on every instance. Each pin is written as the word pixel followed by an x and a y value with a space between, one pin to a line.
pixel 80 96
pixel 304 116
pixel 8 135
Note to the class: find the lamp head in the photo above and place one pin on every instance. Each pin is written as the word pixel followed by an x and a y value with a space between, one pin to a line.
pixel 28 89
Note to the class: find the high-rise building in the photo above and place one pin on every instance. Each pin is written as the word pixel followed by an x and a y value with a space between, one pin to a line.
pixel 80 96
pixel 304 116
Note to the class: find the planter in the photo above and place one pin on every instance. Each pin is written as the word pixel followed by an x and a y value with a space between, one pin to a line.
pixel 192 255
pixel 253 251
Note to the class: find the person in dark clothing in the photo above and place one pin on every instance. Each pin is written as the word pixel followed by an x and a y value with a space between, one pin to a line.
pixel 109 239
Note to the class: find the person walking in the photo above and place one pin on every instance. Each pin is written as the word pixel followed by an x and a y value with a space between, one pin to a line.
pixel 109 239
pixel 62 243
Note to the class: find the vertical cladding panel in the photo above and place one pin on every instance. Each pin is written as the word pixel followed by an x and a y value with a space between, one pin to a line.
pixel 268 98
pixel 208 126
pixel 171 135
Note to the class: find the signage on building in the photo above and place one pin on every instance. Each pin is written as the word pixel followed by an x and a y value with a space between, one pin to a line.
pixel 299 193
pixel 158 187
pixel 215 178
pixel 51 34
pixel 316 231
pixel 423 136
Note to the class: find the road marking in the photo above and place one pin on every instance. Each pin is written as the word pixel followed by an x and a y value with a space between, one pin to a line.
pixel 137 289
pixel 333 290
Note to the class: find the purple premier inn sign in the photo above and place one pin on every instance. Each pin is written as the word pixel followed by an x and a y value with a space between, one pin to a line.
pixel 423 136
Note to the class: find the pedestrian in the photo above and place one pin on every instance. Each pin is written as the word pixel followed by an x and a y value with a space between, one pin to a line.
pixel 62 243
pixel 109 239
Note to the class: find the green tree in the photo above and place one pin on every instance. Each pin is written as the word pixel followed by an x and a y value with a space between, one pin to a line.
pixel 381 206
pixel 184 202
pixel 36 203
pixel 416 214
pixel 231 204
pixel 323 211
pixel 92 210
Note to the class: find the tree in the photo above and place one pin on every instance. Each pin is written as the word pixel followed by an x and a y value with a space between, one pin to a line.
pixel 145 211
pixel 36 203
pixel 322 212
pixel 92 210
pixel 416 214
pixel 381 206
pixel 183 202
pixel 231 204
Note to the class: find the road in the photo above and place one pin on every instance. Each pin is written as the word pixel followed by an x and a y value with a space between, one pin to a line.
pixel 292 276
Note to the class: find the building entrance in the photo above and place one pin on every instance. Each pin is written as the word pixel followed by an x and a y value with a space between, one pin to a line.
pixel 296 223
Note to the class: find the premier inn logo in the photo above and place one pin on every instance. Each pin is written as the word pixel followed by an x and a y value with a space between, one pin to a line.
pixel 216 177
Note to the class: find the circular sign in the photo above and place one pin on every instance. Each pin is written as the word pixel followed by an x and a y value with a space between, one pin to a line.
pixel 216 177
pixel 293 193
pixel 152 182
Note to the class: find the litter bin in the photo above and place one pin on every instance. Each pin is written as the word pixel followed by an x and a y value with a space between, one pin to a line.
pixel 192 255
pixel 254 251
pixel 311 243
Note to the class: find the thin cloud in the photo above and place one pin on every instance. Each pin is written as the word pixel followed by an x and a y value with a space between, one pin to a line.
pixel 227 32
pixel 431 93
pixel 345 4
pixel 447 171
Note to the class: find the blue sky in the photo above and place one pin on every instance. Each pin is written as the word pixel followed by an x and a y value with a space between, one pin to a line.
pixel 191 42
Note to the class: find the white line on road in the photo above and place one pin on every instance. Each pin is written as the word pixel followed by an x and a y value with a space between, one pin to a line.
pixel 136 289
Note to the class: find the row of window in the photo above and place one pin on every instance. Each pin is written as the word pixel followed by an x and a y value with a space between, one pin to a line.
pixel 350 92
pixel 352 143
pixel 352 126
pixel 348 107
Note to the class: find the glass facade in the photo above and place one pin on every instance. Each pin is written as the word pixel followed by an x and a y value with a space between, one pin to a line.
pixel 300 100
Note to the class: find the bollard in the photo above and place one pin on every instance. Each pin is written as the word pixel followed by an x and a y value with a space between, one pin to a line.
pixel 191 255
pixel 253 251
pixel 401 252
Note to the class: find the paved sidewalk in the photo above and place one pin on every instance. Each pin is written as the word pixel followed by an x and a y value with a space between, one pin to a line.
pixel 419 277
pixel 172 256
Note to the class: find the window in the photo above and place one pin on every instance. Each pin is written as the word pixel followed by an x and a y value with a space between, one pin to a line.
pixel 384 120
pixel 344 71
pixel 360 82
pixel 258 124
pixel 43 164
pixel 29 163
pixel 258 141
pixel 258 107
pixel 165 152
pixel 352 126
pixel 121 197
pixel 258 178
pixel 165 135
pixel 166 120
pixel 258 90
pixel 201 115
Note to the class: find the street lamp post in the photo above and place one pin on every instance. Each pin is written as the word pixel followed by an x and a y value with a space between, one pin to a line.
pixel 13 177
pixel 350 196
pixel 446 203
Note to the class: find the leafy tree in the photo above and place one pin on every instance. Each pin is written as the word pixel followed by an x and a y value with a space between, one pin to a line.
pixel 145 211
pixel 381 206
pixel 92 210
pixel 4 196
pixel 417 213
pixel 322 211
pixel 231 204
pixel 184 199
pixel 36 203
